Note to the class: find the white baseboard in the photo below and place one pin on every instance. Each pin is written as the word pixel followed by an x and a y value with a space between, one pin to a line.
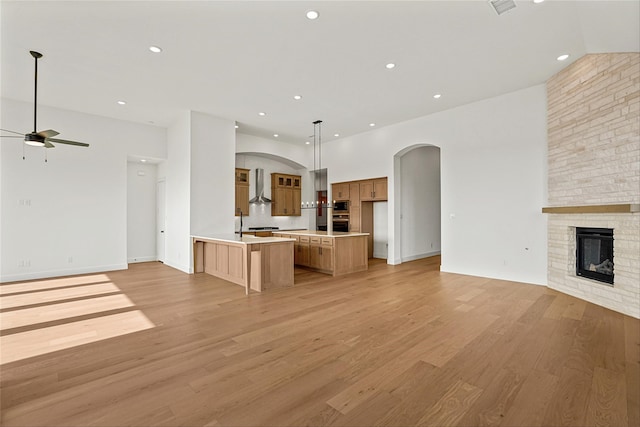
pixel 420 256
pixel 142 259
pixel 184 268
pixel 32 275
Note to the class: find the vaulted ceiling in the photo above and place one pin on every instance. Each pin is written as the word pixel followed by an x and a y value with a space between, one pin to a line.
pixel 236 59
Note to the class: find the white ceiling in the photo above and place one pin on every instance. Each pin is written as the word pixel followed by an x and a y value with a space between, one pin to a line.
pixel 234 59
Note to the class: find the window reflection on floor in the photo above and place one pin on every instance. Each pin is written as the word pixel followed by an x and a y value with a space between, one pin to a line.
pixel 43 316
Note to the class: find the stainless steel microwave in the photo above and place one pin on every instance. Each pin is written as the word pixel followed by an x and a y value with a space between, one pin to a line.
pixel 341 207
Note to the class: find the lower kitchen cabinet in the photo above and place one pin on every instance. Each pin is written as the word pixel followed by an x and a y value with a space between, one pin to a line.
pixel 301 251
pixel 321 254
pixel 336 255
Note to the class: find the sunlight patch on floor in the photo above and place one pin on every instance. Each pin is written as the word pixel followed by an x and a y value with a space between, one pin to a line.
pixel 46 340
pixel 65 310
pixel 49 296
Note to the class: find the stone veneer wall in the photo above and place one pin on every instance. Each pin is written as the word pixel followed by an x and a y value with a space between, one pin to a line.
pixel 594 159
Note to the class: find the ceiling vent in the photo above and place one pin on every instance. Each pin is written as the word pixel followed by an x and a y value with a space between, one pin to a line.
pixel 502 6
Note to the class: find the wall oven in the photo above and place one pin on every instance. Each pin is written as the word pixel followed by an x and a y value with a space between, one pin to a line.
pixel 341 222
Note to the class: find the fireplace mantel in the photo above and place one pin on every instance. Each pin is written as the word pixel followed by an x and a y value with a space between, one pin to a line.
pixel 603 209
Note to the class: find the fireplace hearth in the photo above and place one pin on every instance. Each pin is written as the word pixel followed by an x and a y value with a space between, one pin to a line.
pixel 594 254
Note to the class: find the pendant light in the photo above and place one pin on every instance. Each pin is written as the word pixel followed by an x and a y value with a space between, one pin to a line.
pixel 317 168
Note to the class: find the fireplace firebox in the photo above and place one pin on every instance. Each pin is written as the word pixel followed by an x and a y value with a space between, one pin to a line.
pixel 594 254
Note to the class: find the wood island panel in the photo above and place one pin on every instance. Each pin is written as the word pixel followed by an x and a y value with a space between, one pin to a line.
pixel 225 260
pixel 351 255
pixel 258 264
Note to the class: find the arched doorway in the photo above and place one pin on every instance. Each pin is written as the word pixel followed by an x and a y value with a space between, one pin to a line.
pixel 417 206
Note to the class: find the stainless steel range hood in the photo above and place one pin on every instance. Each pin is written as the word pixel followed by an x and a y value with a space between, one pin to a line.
pixel 260 198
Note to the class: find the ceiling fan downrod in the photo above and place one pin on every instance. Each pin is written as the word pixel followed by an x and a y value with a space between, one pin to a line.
pixel 36 56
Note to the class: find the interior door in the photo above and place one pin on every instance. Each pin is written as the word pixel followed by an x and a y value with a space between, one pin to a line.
pixel 161 220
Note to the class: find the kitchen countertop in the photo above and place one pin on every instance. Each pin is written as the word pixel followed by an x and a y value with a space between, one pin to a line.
pixel 235 238
pixel 274 230
pixel 321 233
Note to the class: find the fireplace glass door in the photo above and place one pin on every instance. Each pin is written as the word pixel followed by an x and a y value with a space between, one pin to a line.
pixel 594 253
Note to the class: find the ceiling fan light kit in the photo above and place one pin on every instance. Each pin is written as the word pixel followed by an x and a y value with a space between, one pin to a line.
pixel 43 138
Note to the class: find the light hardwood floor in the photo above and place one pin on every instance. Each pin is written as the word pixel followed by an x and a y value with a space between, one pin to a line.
pixel 397 345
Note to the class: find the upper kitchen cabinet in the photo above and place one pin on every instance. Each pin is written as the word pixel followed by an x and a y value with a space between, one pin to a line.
pixel 286 194
pixel 340 191
pixel 242 191
pixel 373 190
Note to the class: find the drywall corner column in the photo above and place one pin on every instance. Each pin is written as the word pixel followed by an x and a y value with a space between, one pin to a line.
pixel 178 194
pixel 213 153
pixel 199 183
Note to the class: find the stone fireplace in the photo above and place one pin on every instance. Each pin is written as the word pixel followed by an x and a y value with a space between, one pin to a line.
pixel 594 178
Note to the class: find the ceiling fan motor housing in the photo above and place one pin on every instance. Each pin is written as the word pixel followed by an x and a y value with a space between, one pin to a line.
pixel 34 139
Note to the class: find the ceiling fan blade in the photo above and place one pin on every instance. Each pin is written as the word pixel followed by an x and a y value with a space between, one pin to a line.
pixel 11 131
pixel 11 136
pixel 65 141
pixel 47 144
pixel 47 133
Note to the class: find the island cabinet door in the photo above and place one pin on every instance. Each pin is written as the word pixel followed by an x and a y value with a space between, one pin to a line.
pixel 301 254
pixel 315 256
pixel 301 251
pixel 326 258
pixel 320 255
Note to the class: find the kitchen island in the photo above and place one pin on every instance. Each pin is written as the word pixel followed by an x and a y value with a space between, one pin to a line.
pixel 257 263
pixel 334 253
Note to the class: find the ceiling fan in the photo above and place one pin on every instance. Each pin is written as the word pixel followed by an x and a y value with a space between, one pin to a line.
pixel 44 138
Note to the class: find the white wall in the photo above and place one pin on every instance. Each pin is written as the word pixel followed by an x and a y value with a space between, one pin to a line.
pixel 300 154
pixel 493 155
pixel 419 201
pixel 141 212
pixel 212 174
pixel 73 215
pixel 178 194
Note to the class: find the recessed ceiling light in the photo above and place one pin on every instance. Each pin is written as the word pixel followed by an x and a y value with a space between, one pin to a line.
pixel 262 114
pixel 336 134
pixel 390 65
pixel 313 14
pixel 538 1
pixel 372 124
pixel 437 95
pixel 297 97
pixel 562 57
pixel 237 126
pixel 307 142
pixel 276 135
pixel 121 102
pixel 155 49
pixel 143 160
